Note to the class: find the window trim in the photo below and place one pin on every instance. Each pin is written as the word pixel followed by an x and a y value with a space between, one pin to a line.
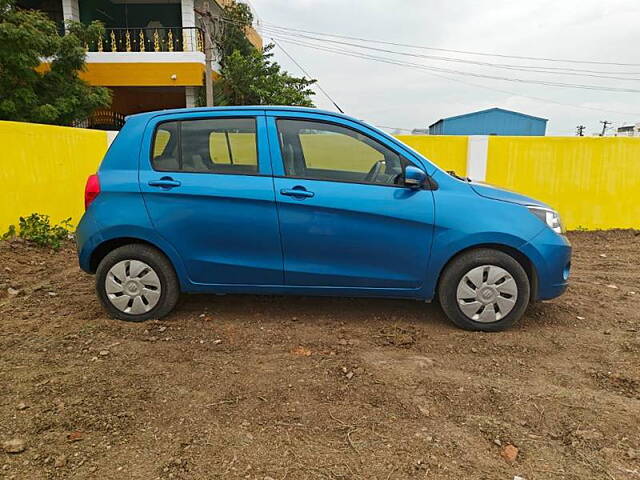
pixel 179 121
pixel 427 186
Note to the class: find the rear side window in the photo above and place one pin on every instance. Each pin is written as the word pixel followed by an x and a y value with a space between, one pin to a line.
pixel 165 147
pixel 220 145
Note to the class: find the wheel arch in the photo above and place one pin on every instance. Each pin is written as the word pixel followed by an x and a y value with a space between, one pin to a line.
pixel 524 261
pixel 96 247
pixel 104 248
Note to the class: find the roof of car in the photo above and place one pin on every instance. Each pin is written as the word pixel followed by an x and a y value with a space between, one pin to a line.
pixel 247 108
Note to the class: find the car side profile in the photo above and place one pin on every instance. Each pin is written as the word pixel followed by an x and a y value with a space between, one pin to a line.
pixel 288 200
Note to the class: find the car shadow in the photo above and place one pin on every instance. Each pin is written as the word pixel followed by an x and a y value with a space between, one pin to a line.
pixel 311 308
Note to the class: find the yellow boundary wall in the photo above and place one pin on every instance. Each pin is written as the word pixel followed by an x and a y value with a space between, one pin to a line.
pixel 44 168
pixel 448 152
pixel 593 182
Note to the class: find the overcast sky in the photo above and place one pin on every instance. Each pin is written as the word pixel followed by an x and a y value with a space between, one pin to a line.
pixel 397 96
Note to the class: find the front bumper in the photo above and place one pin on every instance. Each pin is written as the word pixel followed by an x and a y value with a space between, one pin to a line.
pixel 550 254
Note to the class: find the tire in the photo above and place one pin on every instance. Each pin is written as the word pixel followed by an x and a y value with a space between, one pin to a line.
pixel 497 301
pixel 137 282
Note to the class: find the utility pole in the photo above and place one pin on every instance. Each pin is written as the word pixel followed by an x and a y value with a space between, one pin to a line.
pixel 605 124
pixel 580 131
pixel 208 56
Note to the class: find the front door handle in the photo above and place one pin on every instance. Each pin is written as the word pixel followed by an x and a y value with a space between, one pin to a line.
pixel 165 182
pixel 299 192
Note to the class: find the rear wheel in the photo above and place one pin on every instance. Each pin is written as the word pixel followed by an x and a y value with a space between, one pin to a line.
pixel 137 282
pixel 485 290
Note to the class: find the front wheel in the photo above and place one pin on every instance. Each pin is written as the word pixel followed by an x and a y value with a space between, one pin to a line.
pixel 484 289
pixel 137 282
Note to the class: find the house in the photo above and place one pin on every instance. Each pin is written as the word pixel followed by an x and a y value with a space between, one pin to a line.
pixel 632 130
pixel 493 121
pixel 152 55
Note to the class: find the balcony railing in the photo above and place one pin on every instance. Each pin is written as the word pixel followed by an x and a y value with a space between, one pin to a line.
pixel 150 39
pixel 102 120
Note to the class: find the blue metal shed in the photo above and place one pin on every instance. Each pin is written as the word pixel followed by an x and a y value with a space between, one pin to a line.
pixel 493 121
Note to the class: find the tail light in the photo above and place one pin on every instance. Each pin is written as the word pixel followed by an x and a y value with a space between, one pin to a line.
pixel 91 190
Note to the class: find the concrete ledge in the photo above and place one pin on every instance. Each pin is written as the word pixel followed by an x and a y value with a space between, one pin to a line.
pixel 145 57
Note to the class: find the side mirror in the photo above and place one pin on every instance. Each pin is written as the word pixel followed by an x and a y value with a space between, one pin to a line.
pixel 414 177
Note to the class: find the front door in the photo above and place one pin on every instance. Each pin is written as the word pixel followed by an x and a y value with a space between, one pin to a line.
pixel 346 219
pixel 207 187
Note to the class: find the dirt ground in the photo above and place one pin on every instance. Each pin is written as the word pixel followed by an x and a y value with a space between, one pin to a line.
pixel 285 387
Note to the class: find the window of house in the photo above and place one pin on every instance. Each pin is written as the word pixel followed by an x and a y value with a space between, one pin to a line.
pixel 324 151
pixel 218 145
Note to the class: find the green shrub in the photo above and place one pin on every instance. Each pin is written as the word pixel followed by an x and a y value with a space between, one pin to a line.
pixel 37 228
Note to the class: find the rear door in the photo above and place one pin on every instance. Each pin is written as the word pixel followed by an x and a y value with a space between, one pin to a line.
pixel 346 219
pixel 206 181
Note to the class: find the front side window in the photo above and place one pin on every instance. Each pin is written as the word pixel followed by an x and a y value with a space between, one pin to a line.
pixel 324 151
pixel 220 145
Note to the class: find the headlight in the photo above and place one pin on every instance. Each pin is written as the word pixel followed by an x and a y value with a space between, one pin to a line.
pixel 548 216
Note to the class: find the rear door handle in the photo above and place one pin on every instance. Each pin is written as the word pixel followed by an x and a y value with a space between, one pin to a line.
pixel 165 182
pixel 299 192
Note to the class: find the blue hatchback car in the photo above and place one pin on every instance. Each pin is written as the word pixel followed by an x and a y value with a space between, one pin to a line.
pixel 285 200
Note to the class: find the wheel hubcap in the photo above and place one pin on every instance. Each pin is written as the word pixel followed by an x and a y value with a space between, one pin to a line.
pixel 133 287
pixel 487 293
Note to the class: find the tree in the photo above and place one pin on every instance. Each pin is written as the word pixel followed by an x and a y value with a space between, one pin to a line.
pixel 236 17
pixel 53 95
pixel 254 79
pixel 250 76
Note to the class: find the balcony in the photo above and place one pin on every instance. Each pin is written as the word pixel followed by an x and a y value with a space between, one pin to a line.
pixel 147 39
pixel 147 57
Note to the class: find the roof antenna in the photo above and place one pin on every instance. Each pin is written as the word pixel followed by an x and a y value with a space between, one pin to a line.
pixel 307 74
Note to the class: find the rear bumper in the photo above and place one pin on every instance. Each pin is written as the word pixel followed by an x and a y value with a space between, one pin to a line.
pixel 551 257
pixel 87 238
